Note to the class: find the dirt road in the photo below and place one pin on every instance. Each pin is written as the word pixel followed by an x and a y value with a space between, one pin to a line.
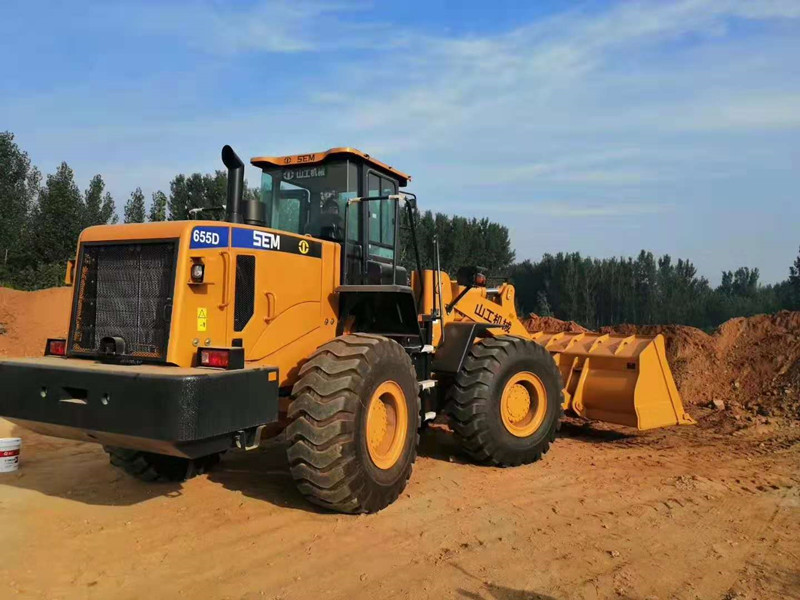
pixel 682 513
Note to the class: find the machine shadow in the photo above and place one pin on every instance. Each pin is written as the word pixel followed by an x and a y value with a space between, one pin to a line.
pixel 593 432
pixel 100 492
pixel 438 442
pixel 262 474
pixel 81 472
pixel 498 592
pixel 77 471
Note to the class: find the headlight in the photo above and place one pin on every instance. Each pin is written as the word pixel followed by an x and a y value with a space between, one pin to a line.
pixel 198 272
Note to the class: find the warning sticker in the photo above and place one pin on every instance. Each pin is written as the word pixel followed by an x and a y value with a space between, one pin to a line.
pixel 202 319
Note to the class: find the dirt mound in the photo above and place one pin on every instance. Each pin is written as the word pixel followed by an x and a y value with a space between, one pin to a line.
pixel 551 325
pixel 27 319
pixel 752 364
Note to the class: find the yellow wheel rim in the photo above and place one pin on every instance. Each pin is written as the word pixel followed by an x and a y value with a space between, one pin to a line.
pixel 387 424
pixel 523 404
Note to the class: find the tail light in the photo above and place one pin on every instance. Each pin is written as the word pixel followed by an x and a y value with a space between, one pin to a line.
pixel 221 358
pixel 55 347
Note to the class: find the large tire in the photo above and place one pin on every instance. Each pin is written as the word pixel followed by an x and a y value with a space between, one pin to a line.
pixel 148 466
pixel 480 403
pixel 332 454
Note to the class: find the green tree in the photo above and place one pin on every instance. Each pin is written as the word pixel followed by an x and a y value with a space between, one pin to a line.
pixel 610 291
pixel 158 208
pixel 178 203
pixel 108 212
pixel 742 282
pixel 645 287
pixel 19 184
pixel 794 283
pixel 496 246
pixel 216 190
pixel 99 206
pixel 462 242
pixel 93 201
pixel 134 207
pixel 249 193
pixel 196 191
pixel 542 305
pixel 58 217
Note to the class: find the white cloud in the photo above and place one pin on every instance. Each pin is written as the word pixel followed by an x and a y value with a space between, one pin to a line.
pixel 567 42
pixel 773 111
pixel 271 26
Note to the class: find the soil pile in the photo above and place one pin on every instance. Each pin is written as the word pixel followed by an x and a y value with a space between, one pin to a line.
pixel 27 319
pixel 551 325
pixel 751 364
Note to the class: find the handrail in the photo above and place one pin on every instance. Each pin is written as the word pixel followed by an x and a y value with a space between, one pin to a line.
pixel 411 206
pixel 226 270
pixel 438 275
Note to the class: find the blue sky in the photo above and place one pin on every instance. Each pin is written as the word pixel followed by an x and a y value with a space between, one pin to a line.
pixel 599 127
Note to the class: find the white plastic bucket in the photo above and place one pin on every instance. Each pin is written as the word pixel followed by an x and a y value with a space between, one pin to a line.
pixel 9 454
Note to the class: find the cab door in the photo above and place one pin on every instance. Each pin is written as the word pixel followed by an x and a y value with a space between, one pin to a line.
pixel 381 231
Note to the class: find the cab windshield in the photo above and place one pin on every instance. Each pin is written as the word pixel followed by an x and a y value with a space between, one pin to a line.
pixel 311 199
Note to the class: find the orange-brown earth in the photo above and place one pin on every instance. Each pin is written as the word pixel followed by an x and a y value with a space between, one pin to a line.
pixel 691 512
pixel 750 364
pixel 27 319
pixel 534 322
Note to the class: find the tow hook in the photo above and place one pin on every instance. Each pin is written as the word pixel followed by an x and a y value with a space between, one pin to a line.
pixel 249 439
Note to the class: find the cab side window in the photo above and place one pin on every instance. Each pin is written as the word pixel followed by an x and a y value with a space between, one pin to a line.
pixel 381 216
pixel 374 189
pixel 291 212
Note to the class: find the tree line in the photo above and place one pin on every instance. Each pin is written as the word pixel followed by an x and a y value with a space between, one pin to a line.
pixel 596 292
pixel 461 241
pixel 42 218
pixel 645 290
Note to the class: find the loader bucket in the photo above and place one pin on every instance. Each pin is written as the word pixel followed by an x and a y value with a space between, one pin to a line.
pixel 616 378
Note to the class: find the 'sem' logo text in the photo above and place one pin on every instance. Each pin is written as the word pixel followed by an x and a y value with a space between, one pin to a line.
pixel 266 240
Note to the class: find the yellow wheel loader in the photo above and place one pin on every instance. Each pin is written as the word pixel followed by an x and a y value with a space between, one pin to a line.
pixel 294 315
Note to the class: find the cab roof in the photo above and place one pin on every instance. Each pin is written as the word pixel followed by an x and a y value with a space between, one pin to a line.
pixel 317 157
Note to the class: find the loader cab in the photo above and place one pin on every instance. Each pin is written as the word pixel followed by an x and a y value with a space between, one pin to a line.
pixel 308 194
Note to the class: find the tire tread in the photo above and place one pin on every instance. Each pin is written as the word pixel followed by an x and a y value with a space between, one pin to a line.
pixel 469 401
pixel 151 467
pixel 323 418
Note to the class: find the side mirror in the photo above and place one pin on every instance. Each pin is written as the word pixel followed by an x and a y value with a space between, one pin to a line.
pixel 69 276
pixel 471 276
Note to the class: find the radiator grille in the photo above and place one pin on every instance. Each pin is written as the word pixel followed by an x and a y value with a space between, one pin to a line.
pixel 125 290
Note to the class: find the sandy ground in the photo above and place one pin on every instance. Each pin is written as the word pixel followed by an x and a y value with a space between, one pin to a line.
pixel 680 513
pixel 27 319
pixel 707 512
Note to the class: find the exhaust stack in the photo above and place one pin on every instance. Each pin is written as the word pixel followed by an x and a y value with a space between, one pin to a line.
pixel 235 166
